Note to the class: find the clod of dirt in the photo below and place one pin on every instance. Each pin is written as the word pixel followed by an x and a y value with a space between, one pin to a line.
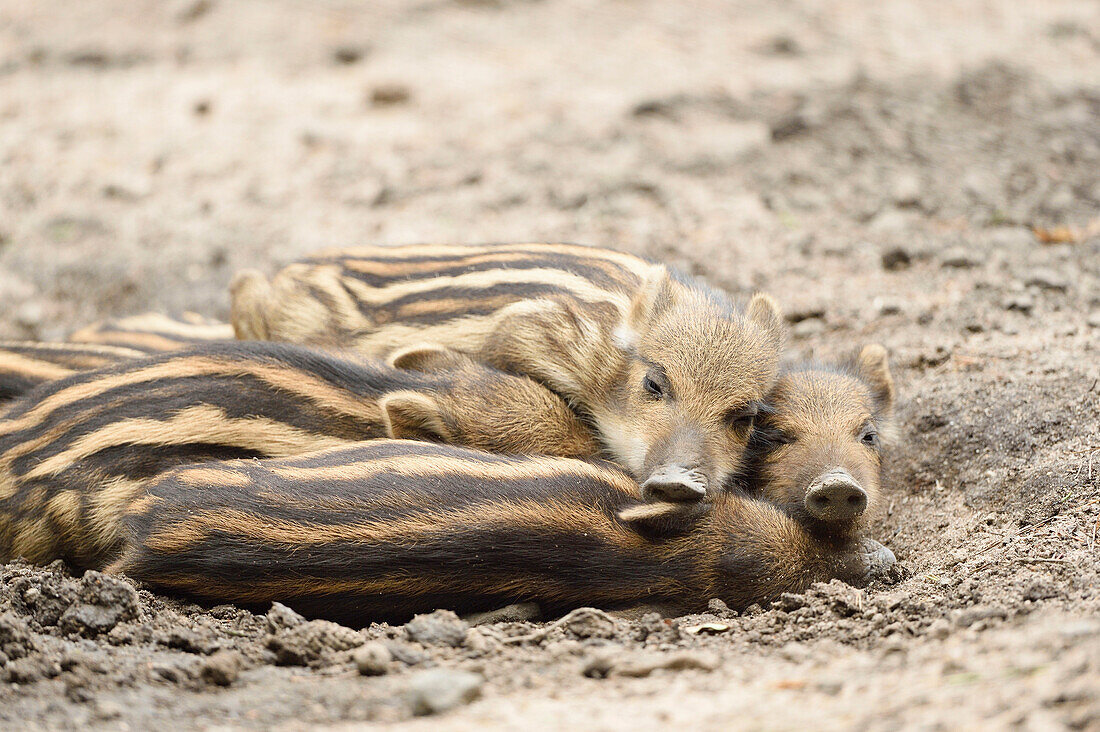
pixel 518 613
pixel 587 622
pixel 30 669
pixel 280 617
pixel 310 643
pixel 406 653
pixel 958 258
pixel 638 665
pixel 653 628
pixel 16 639
pixel 43 597
pixel 1021 302
pixel 222 668
pixel 441 628
pixel 896 259
pixel 1047 279
pixel 439 690
pixel 104 602
pixel 390 95
pixel 372 659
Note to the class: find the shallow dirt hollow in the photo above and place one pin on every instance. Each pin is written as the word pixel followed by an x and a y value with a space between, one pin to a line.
pixel 888 170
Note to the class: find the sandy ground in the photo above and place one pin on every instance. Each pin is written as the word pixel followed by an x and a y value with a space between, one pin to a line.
pixel 880 167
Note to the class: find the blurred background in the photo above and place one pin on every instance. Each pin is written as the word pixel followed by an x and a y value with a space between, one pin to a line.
pixel 921 174
pixel 148 149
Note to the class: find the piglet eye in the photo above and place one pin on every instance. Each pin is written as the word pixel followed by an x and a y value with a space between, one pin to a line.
pixel 869 437
pixel 652 386
pixel 742 419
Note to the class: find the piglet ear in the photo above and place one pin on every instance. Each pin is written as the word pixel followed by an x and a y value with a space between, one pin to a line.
pixel 410 415
pixel 664 518
pixel 764 311
pixel 428 358
pixel 874 368
pixel 655 295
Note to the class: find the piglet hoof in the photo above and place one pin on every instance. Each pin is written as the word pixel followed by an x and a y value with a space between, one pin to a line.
pixel 868 562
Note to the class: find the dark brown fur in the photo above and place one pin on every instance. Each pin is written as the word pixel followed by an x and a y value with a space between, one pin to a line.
pixel 669 372
pixel 385 529
pixel 27 364
pixel 73 452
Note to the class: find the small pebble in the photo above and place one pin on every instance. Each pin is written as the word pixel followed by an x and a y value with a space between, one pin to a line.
pixel 280 616
pixel 390 95
pixel 1020 302
pixel 1046 279
pixel 959 258
pixel 222 668
pixel 440 690
pixel 906 190
pixel 372 659
pixel 896 259
pixel 441 628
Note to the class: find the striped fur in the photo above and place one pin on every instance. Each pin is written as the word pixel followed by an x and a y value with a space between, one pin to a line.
pixel 75 451
pixel 385 529
pixel 27 364
pixel 668 371
pixel 154 332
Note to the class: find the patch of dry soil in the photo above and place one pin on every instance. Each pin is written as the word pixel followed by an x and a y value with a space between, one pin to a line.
pixel 877 166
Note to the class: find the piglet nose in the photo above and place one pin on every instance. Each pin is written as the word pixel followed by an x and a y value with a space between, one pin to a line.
pixel 675 483
pixel 836 496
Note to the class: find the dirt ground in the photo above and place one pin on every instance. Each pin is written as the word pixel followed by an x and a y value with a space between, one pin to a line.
pixel 888 170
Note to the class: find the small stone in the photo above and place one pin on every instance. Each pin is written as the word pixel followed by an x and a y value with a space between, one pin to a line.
pixel 221 669
pixel 939 629
pixel 886 306
pixel 790 601
pixel 440 690
pixel 958 258
pixel 347 55
pixel 720 608
pixel 587 622
pixel 1093 319
pixel 406 653
pixel 479 641
pixel 1021 302
pixel 808 327
pixel 107 709
pixel 390 95
pixel 645 664
pixel 971 616
pixel 105 601
pixel 906 190
pixel 280 617
pixel 1047 279
pixel 16 638
pixel 896 259
pixel 522 612
pixel 372 659
pixel 441 628
pixel 309 643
